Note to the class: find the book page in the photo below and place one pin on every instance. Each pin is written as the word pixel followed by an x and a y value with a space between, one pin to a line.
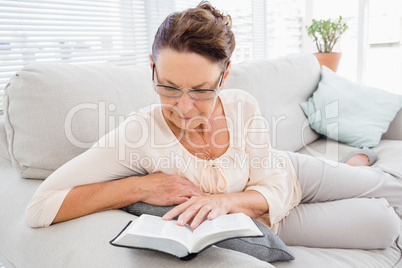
pixel 172 231
pixel 222 223
pixel 146 226
pixel 223 227
pixel 154 226
pixel 148 232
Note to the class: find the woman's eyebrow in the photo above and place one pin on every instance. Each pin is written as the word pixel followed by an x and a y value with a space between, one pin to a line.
pixel 175 85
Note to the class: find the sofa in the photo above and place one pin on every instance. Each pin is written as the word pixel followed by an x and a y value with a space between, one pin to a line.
pixel 55 111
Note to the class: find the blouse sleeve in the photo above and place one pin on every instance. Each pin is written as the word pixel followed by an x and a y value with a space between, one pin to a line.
pixel 109 159
pixel 271 171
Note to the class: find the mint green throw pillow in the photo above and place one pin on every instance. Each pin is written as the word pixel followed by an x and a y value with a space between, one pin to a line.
pixel 350 113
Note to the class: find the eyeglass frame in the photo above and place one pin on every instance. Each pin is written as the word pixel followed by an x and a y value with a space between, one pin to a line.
pixel 181 90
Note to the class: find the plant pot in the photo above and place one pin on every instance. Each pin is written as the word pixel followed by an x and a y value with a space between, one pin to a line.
pixel 331 60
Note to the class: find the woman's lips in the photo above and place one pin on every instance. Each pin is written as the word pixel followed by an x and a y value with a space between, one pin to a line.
pixel 185 118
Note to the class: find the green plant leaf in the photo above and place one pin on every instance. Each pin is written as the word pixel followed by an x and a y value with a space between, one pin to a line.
pixel 325 33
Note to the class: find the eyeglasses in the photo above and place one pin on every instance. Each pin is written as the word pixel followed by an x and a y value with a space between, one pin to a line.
pixel 196 94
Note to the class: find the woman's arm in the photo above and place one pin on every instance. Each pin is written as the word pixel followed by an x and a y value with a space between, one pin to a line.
pixel 91 198
pixel 251 203
pixel 198 208
pixel 157 189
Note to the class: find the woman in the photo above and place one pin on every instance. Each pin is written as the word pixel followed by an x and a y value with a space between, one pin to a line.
pixel 214 146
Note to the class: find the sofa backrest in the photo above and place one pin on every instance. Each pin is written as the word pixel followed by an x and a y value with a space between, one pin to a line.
pixel 54 112
pixel 280 85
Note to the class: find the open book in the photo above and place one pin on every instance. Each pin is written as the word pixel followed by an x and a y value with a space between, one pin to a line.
pixel 153 232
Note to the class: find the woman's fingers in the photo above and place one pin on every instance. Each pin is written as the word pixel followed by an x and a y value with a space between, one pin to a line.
pixel 215 212
pixel 178 210
pixel 197 209
pixel 194 215
pixel 201 216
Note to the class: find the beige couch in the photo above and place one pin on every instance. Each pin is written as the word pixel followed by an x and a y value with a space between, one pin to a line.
pixel 56 111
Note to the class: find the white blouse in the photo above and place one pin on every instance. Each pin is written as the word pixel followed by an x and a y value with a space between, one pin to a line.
pixel 144 144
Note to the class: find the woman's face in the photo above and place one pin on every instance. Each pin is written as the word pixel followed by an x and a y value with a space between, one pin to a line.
pixel 187 71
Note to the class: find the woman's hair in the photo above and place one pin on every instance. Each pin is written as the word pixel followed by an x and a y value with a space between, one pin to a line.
pixel 202 30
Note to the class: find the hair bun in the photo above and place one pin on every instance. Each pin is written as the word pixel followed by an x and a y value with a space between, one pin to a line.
pixel 206 5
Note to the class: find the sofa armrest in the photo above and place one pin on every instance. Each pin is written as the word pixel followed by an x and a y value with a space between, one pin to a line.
pixel 395 129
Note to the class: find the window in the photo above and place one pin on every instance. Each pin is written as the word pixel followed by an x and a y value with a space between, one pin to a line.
pixel 121 32
pixel 372 46
pixel 73 31
pixel 284 20
pixel 384 53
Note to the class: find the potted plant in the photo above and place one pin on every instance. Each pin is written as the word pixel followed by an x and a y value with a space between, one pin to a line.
pixel 325 34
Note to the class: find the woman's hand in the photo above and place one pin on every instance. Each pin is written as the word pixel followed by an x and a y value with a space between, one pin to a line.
pixel 199 208
pixel 166 190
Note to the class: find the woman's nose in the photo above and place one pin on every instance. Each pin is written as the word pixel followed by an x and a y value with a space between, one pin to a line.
pixel 185 103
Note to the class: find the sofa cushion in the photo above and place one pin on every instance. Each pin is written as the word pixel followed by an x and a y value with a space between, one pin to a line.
pixel 267 248
pixel 351 113
pixel 54 112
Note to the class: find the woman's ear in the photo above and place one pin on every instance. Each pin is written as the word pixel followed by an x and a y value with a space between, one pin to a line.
pixel 226 74
pixel 151 62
